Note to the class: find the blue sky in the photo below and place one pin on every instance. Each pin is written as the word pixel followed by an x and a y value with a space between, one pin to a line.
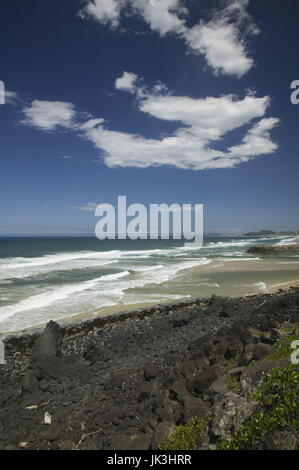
pixel 162 101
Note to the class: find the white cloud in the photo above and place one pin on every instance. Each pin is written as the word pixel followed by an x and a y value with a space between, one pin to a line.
pixel 220 44
pixel 256 142
pixel 89 207
pixel 192 146
pixel 11 97
pixel 162 16
pixel 48 115
pixel 201 125
pixel 220 39
pixel 209 117
pixel 103 11
pixel 126 82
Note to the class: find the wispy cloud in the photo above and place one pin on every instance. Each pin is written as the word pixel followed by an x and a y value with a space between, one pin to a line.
pixel 11 97
pixel 221 42
pixel 49 115
pixel 103 11
pixel 126 82
pixel 221 38
pixel 89 207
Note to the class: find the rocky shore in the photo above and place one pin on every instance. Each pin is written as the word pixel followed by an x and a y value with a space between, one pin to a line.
pixel 127 381
pixel 274 250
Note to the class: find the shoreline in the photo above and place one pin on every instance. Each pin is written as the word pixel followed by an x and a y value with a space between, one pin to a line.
pixel 116 314
pixel 223 276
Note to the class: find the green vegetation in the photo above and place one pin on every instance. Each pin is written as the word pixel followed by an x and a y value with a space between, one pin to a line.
pixel 232 362
pixel 279 408
pixel 283 348
pixel 290 329
pixel 233 383
pixel 188 436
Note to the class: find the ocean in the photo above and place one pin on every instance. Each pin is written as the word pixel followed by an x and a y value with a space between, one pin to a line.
pixel 67 279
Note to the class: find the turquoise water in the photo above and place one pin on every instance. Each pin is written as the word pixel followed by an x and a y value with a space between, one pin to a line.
pixel 53 278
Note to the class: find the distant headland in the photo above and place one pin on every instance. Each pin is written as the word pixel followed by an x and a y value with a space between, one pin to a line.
pixel 271 233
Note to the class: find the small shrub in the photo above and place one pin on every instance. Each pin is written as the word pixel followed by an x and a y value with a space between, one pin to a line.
pixel 283 349
pixel 232 362
pixel 233 384
pixel 279 409
pixel 188 436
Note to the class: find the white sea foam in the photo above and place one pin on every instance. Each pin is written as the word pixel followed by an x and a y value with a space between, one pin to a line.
pixel 18 268
pixel 261 286
pixel 106 290
pixel 113 277
pixel 22 270
pixel 54 295
pixel 15 263
pixel 230 244
pixel 287 241
pixel 147 268
pixel 284 283
pixel 241 259
pixel 207 284
pixel 291 262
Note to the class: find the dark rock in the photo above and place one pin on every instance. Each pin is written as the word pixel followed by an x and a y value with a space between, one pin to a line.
pixel 280 440
pixel 194 407
pixel 150 372
pixel 274 250
pixel 261 351
pixel 236 372
pixel 178 391
pixel 162 431
pixel 109 382
pixel 143 396
pixel 97 353
pixel 234 348
pixel 230 412
pixel 255 374
pixel 49 343
pixel 245 359
pixel 270 337
pixel 136 441
pixel 116 382
pixel 203 380
pixel 219 387
pixel 221 349
pixel 223 313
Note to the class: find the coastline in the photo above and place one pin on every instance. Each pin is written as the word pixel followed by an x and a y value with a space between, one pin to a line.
pixel 72 282
pixel 115 314
pixel 234 268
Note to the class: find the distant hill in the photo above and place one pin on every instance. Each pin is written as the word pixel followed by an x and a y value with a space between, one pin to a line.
pixel 270 233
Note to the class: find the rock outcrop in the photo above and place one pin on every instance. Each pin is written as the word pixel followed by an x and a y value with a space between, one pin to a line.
pixel 274 250
pixel 127 384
